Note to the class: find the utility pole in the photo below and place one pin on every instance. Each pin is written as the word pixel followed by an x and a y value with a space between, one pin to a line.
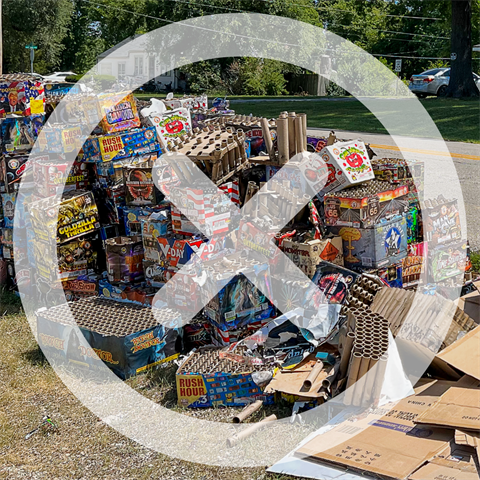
pixel 32 48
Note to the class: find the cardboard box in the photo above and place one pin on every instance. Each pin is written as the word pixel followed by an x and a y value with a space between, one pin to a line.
pixel 441 223
pixel 170 125
pixel 77 216
pixel 230 385
pixel 124 259
pixel 413 265
pixel 456 408
pixel 16 168
pixel 19 134
pixel 347 163
pixel 377 247
pixel 8 205
pixel 153 228
pixel 183 293
pixel 307 255
pixel 140 188
pixel 126 349
pixel 118 112
pixel 447 261
pixel 386 445
pixel 344 210
pixel 470 304
pixel 21 97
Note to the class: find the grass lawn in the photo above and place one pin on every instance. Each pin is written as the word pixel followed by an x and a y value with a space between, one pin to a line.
pixel 457 120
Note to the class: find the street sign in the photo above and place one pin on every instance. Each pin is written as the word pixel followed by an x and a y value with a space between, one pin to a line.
pixel 398 65
pixel 32 54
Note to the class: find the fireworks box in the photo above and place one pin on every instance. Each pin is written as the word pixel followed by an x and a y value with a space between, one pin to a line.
pixel 365 206
pixel 205 379
pixel 333 281
pixel 135 216
pixel 8 205
pixel 171 125
pixel 286 174
pixel 307 255
pixel 19 134
pixel 140 188
pixel 183 293
pixel 223 337
pixel 77 216
pixel 377 247
pixel 235 302
pixel 16 168
pixel 125 337
pixel 252 238
pixel 206 206
pixel 124 259
pixel 447 261
pixel 139 294
pixel 196 334
pixel 441 220
pixel 21 96
pixel 81 287
pixel 413 264
pixel 104 148
pixel 413 224
pixel 75 258
pixel 397 171
pixel 155 275
pixel 53 176
pixel 118 112
pixel 316 144
pixel 347 163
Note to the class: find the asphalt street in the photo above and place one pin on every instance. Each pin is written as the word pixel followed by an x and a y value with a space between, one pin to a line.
pixel 466 161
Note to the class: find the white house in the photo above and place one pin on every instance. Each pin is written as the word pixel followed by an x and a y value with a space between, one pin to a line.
pixel 476 48
pixel 137 64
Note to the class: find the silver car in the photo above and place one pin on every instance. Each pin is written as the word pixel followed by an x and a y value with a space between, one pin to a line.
pixel 434 82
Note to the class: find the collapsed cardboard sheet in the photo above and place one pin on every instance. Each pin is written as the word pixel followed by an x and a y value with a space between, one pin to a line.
pixel 385 442
pixel 463 355
pixel 453 463
pixel 468 439
pixel 456 408
pixel 470 303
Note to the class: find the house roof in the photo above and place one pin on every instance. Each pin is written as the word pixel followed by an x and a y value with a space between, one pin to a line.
pixel 117 46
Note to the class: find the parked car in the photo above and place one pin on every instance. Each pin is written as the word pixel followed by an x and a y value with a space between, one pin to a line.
pixel 58 76
pixel 434 82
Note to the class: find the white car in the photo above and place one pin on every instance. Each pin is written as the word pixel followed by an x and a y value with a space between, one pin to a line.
pixel 58 76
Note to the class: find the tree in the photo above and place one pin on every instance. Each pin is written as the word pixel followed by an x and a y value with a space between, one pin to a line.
pixel 43 22
pixel 461 79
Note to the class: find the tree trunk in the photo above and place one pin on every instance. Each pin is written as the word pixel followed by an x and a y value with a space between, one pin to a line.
pixel 461 78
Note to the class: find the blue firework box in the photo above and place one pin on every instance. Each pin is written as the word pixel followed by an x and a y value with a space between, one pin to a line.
pixel 135 142
pixel 381 246
pixel 109 336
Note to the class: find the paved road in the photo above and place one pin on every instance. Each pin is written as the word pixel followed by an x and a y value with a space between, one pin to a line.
pixel 466 159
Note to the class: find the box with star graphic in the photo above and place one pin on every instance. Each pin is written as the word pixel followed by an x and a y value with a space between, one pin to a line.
pixel 377 247
pixel 20 95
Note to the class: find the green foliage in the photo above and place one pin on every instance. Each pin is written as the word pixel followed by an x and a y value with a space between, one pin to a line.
pixel 43 22
pixel 475 259
pixel 261 77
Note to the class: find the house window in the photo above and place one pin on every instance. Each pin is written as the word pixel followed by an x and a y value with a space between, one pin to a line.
pixel 106 68
pixel 138 66
pixel 121 71
pixel 151 66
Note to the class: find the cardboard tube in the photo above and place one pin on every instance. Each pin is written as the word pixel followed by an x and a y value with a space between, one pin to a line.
pixel 248 411
pixel 267 137
pixel 283 140
pixel 303 116
pixel 354 369
pixel 298 134
pixel 327 382
pixel 379 378
pixel 292 146
pixel 310 380
pixel 232 441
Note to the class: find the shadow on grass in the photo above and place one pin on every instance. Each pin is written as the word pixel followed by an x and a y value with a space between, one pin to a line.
pixel 10 304
pixel 35 357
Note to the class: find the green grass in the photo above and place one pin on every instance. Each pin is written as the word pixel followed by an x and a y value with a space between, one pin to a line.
pixel 457 120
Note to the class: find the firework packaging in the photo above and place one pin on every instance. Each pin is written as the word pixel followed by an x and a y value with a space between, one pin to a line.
pixel 136 294
pixel 447 261
pixel 377 247
pixel 392 275
pixel 140 188
pixel 228 383
pixel 171 125
pixel 196 335
pixel 53 176
pixel 252 238
pixel 21 97
pixel 77 216
pixel 222 336
pixel 287 174
pixel 118 112
pixel 155 275
pixel 126 347
pixel 397 171
pixel 173 252
pixel 316 144
pixel 413 224
pixel 308 254
pixel 365 206
pixel 154 228
pixel 206 206
pixel 16 168
pixel 8 204
pixel 333 281
pixel 413 264
pixel 134 216
pixel 347 163
pixel 238 302
pixel 441 222
pixel 124 259
pixel 20 133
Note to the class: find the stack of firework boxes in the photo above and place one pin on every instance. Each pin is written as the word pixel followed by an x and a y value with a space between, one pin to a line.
pixel 22 114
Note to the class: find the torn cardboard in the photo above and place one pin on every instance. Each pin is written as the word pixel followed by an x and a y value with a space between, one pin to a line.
pixel 456 408
pixel 385 442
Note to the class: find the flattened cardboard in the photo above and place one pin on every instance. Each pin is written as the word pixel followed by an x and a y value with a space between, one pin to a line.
pixel 456 408
pixel 389 445
pixel 468 439
pixel 453 463
pixel 463 355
